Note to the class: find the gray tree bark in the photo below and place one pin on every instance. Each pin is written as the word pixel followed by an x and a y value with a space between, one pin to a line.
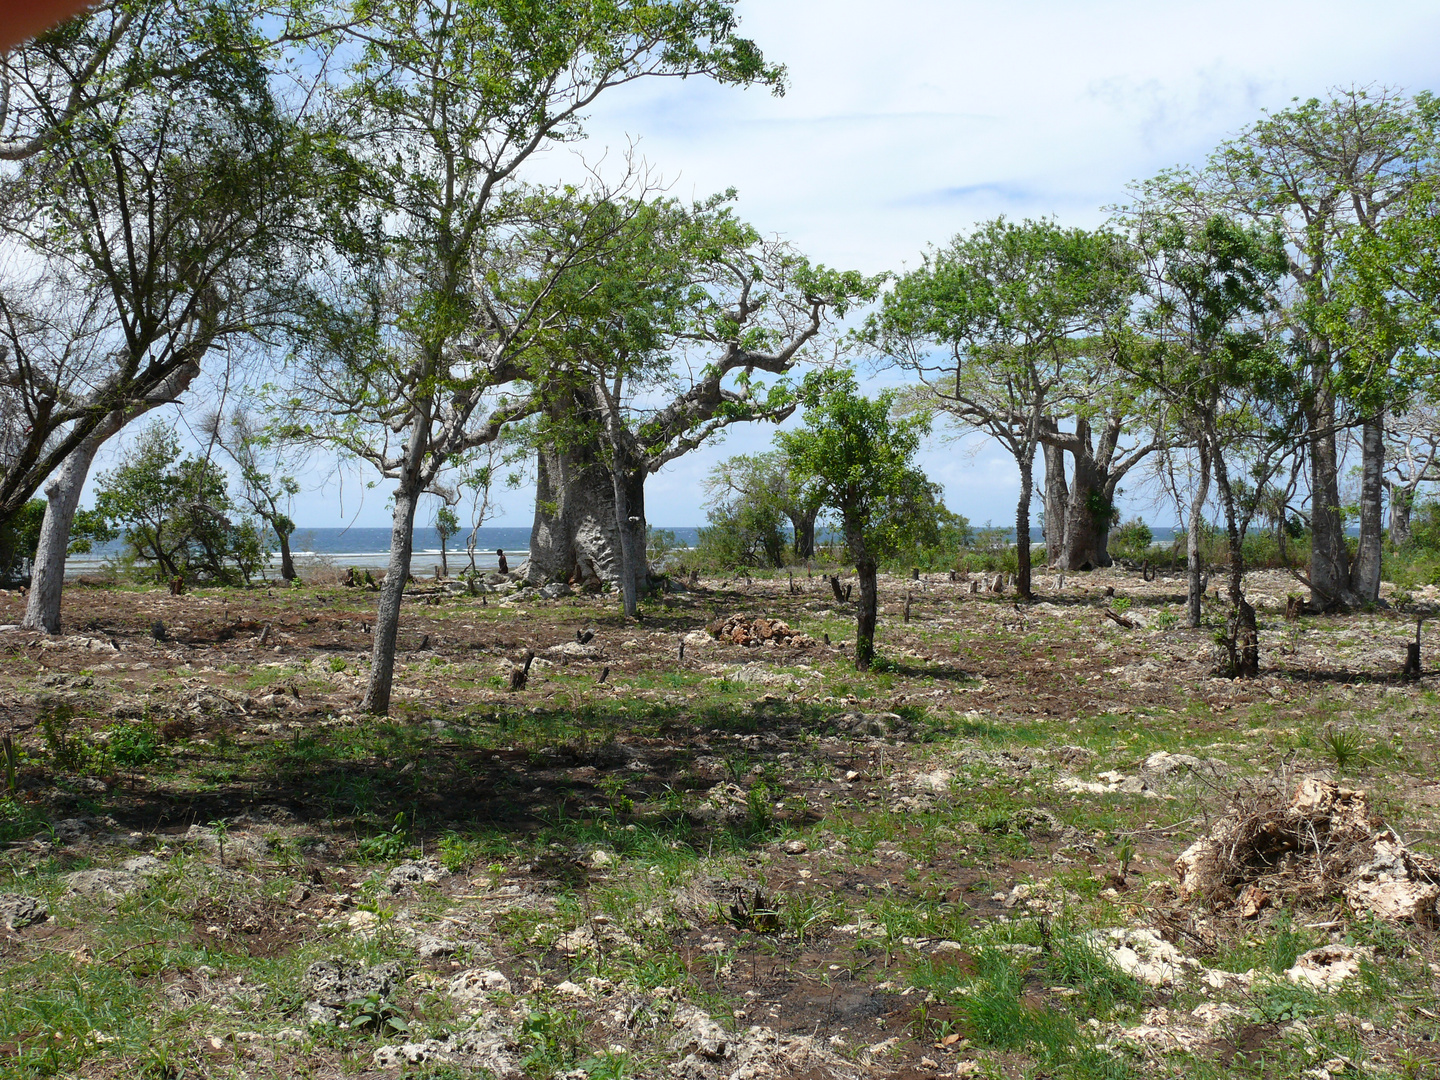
pixel 1057 499
pixel 1022 524
pixel 628 484
pixel 62 499
pixel 1194 572
pixel 575 536
pixel 1082 549
pixel 397 572
pixel 1365 571
pixel 1402 502
pixel 1329 561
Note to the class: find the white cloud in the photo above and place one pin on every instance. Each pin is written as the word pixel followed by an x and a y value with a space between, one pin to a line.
pixel 909 121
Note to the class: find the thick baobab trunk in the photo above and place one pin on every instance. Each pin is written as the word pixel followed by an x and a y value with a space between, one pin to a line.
pixel 1088 512
pixel 1329 561
pixel 628 484
pixel 1022 526
pixel 804 526
pixel 1057 501
pixel 1365 571
pixel 575 536
pixel 1402 501
pixel 1194 572
pixel 62 499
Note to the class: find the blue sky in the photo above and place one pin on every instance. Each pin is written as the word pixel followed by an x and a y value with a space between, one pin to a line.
pixel 908 122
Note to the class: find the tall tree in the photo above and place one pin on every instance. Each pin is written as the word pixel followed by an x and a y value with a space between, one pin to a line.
pixel 996 324
pixel 155 179
pixel 156 188
pixel 436 291
pixel 1322 174
pixel 267 482
pixel 662 333
pixel 1204 348
pixel 858 460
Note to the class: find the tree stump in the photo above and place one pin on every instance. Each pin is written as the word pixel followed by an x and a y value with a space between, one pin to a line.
pixel 1294 607
pixel 908 599
pixel 519 675
pixel 835 584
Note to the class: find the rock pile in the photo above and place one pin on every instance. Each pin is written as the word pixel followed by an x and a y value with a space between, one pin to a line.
pixel 741 630
pixel 1325 842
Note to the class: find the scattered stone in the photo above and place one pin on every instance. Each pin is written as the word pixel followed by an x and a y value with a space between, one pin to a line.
pixel 102 884
pixel 796 847
pixel 724 804
pixel 1327 967
pixel 1144 954
pixel 330 985
pixel 18 911
pixel 875 725
pixel 488 1048
pixel 555 590
pixel 415 872
pixel 601 858
pixel 741 630
pixel 475 985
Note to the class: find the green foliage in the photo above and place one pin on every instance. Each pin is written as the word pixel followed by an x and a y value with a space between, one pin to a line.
pixel 136 744
pixel 752 496
pixel 19 537
pixel 389 845
pixel 174 512
pixel 1132 539
pixel 553 1039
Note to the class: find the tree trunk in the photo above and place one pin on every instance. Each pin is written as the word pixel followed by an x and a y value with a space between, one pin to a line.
pixel 1329 564
pixel 629 487
pixel 804 527
pixel 1365 571
pixel 444 559
pixel 62 499
pixel 1086 509
pixel 1194 572
pixel 575 536
pixel 1022 525
pixel 62 494
pixel 287 562
pixel 1402 501
pixel 1057 500
pixel 397 575
pixel 866 614
pixel 1244 634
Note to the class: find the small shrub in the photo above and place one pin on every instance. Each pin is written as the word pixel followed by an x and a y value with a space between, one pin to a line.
pixel 135 745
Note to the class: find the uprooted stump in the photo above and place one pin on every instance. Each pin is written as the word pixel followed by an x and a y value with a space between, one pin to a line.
pixel 743 630
pixel 1325 843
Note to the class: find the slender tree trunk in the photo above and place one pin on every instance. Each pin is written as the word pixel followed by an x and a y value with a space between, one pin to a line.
pixel 1329 563
pixel 629 486
pixel 1402 501
pixel 865 616
pixel 62 499
pixel 1245 634
pixel 444 559
pixel 1194 572
pixel 1022 524
pixel 397 572
pixel 1057 500
pixel 1365 572
pixel 392 592
pixel 287 562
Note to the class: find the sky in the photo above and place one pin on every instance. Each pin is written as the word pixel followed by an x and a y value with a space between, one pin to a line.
pixel 907 122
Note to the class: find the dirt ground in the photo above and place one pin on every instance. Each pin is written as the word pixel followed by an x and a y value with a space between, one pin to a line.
pixel 672 855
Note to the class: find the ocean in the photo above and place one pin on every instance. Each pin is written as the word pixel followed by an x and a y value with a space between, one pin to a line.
pixel 370 548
